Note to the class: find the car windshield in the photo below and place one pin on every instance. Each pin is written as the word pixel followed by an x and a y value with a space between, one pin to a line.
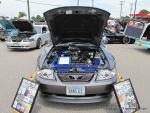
pixel 38 29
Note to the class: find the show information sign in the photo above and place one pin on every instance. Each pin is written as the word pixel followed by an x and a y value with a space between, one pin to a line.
pixel 126 97
pixel 25 96
pixel 134 29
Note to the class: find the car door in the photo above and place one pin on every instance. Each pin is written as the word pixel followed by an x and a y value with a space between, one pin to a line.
pixel 45 34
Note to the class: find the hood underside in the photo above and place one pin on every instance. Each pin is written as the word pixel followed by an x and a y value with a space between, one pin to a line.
pixel 76 24
pixel 23 25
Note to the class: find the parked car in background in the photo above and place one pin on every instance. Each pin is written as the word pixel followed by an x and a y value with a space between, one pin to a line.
pixel 140 31
pixel 29 36
pixel 76 68
pixel 113 37
pixel 7 29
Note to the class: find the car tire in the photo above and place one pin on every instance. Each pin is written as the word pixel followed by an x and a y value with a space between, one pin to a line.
pixel 126 40
pixel 2 40
pixel 39 44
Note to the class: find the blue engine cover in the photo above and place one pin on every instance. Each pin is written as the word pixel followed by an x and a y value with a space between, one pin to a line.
pixel 65 68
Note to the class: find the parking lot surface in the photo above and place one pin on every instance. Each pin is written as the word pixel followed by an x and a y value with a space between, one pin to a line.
pixel 132 62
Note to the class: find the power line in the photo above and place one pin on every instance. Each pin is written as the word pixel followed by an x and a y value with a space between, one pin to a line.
pixel 135 8
pixel 121 7
pixel 78 1
pixel 28 6
pixel 131 8
pixel 92 3
pixel 40 3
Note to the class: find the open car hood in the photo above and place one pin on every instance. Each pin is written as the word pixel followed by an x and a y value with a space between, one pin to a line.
pixel 6 24
pixel 76 24
pixel 23 25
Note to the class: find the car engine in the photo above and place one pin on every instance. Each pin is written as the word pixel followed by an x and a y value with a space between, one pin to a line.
pixel 21 36
pixel 75 59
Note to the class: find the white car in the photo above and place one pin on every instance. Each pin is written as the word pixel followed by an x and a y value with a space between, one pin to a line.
pixel 29 36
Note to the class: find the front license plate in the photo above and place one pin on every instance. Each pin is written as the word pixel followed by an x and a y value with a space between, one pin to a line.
pixel 75 90
pixel 15 44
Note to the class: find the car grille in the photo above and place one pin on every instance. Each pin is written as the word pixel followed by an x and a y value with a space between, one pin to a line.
pixel 16 39
pixel 75 77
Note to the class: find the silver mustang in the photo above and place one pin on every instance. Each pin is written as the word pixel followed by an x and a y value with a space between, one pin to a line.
pixel 77 68
pixel 28 36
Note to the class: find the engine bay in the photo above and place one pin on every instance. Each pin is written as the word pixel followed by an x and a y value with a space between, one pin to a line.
pixel 75 59
pixel 21 36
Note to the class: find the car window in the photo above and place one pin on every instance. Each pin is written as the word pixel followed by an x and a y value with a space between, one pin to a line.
pixel 44 30
pixel 38 29
pixel 1 27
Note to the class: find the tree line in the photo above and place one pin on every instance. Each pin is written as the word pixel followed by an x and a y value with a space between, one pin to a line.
pixel 21 15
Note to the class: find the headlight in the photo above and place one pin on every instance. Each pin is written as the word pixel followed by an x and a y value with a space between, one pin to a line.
pixel 28 40
pixel 8 39
pixel 46 74
pixel 105 74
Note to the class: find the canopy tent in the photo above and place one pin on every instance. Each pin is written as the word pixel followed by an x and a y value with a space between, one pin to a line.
pixel 141 16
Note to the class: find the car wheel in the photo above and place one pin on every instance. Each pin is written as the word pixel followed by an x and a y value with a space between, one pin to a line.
pixel 2 39
pixel 126 40
pixel 39 44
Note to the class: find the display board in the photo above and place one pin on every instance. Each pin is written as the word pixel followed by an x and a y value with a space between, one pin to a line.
pixel 25 96
pixel 126 97
pixel 134 29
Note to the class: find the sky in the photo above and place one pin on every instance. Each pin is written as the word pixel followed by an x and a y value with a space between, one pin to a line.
pixel 11 8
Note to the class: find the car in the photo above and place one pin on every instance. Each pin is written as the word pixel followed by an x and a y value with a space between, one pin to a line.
pixel 113 37
pixel 6 29
pixel 28 36
pixel 77 68
pixel 2 36
pixel 139 31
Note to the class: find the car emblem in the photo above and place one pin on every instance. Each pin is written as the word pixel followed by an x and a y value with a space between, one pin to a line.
pixel 75 77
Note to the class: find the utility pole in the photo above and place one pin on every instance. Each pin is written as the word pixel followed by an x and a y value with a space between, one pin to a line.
pixel 131 7
pixel 92 3
pixel 121 6
pixel 28 6
pixel 135 8
pixel 78 2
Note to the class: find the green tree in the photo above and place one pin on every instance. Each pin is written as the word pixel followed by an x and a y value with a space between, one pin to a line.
pixel 145 11
pixel 21 14
pixel 33 18
pixel 38 18
pixel 125 19
pixel 2 17
pixel 15 18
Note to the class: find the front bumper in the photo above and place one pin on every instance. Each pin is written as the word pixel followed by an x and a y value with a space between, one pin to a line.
pixel 23 45
pixel 80 100
pixel 94 91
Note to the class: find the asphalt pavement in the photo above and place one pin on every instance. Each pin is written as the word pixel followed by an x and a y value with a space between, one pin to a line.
pixel 132 62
